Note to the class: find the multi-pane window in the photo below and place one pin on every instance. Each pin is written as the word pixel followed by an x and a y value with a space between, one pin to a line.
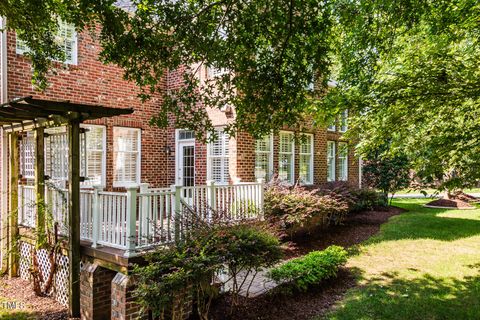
pixel 126 156
pixel 264 158
pixel 66 38
pixel 342 161
pixel 344 121
pixel 93 155
pixel 332 126
pixel 330 161
pixel 218 158
pixel 214 72
pixel 306 159
pixel 286 157
pixel 27 156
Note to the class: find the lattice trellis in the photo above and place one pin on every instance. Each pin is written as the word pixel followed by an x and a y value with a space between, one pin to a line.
pixel 60 286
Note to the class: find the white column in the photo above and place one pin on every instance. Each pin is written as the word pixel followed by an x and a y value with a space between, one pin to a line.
pixel 211 199
pixel 96 214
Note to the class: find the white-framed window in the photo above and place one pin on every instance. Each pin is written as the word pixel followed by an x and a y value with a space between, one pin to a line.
pixel 306 159
pixel 342 161
pixel 264 158
pixel 344 121
pixel 286 159
pixel 218 168
pixel 213 72
pixel 94 155
pixel 27 156
pixel 66 38
pixel 126 156
pixel 332 126
pixel 330 161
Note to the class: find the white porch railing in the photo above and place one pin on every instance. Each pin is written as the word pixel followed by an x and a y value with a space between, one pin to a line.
pixel 142 217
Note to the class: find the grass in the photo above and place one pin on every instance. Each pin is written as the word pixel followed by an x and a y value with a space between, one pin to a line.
pixel 432 191
pixel 424 264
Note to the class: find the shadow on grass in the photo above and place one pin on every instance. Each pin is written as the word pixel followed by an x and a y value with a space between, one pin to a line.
pixel 426 223
pixel 426 297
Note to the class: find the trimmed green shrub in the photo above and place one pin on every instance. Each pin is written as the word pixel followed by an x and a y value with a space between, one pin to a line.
pixel 357 199
pixel 298 211
pixel 310 269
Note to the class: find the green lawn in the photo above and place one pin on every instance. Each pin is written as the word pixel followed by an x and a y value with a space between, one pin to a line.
pixel 424 264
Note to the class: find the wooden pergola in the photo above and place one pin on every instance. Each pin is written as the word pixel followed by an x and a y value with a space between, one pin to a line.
pixel 29 114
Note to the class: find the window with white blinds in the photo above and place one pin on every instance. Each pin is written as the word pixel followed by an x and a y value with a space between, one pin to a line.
pixel 306 159
pixel 342 161
pixel 330 161
pixel 27 156
pixel 286 157
pixel 93 155
pixel 344 121
pixel 264 158
pixel 218 170
pixel 66 38
pixel 126 156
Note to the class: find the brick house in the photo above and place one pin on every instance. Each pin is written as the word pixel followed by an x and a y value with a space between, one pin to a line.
pixel 124 151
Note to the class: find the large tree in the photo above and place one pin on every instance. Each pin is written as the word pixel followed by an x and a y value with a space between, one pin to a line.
pixel 417 86
pixel 271 50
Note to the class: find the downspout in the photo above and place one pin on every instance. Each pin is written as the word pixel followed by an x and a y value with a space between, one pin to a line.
pixel 360 172
pixel 3 144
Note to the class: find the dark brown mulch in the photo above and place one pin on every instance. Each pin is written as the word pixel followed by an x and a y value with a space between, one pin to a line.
pixel 450 203
pixel 304 305
pixel 357 228
pixel 21 291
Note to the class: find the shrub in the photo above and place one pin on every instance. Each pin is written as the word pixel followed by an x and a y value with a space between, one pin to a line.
pixel 357 199
pixel 310 269
pixel 298 210
pixel 188 268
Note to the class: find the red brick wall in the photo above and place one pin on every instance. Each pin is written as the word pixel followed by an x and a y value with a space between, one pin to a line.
pixel 92 82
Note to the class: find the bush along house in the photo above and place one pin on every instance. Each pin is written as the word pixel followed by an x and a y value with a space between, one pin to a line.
pixel 79 161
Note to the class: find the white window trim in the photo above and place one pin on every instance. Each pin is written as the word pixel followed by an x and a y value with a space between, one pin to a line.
pixel 333 162
pixel 340 176
pixel 139 159
pixel 332 128
pixel 311 154
pixel 270 157
pixel 209 162
pixel 73 61
pixel 178 142
pixel 344 115
pixel 292 167
pixel 104 155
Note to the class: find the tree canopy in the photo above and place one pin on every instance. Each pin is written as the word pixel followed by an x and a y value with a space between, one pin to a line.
pixel 407 70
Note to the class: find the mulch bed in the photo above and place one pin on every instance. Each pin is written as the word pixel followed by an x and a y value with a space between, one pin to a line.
pixel 42 308
pixel 316 302
pixel 450 203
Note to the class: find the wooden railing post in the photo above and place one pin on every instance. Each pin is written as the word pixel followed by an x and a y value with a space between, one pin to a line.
pixel 177 210
pixel 13 249
pixel 211 199
pixel 131 220
pixel 96 213
pixel 143 215
pixel 261 197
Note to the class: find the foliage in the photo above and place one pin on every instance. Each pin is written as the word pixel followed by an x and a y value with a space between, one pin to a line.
pixel 189 267
pixel 310 269
pixel 387 173
pixel 299 210
pixel 358 199
pixel 270 50
pixel 415 85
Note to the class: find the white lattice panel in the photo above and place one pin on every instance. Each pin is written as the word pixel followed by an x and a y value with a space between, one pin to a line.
pixel 60 286
pixel 25 260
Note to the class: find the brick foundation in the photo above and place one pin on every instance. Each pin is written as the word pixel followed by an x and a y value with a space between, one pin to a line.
pixel 95 292
pixel 123 304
